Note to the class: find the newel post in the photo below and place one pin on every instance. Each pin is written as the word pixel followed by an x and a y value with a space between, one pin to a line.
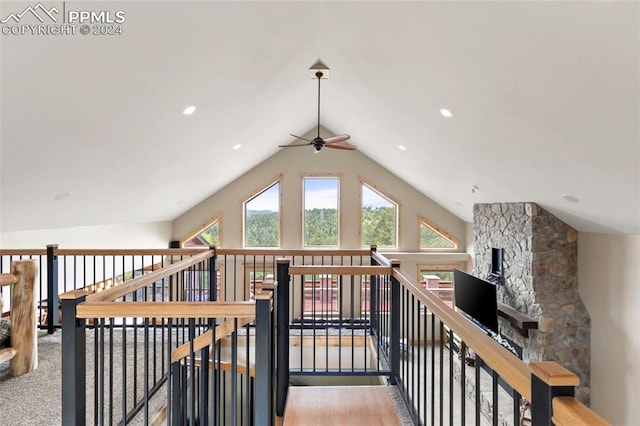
pixel 213 275
pixel 282 334
pixel 548 380
pixel 73 360
pixel 394 326
pixel 263 414
pixel 373 295
pixel 23 318
pixel 52 288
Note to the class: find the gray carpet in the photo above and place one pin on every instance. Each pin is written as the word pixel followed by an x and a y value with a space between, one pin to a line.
pixel 34 398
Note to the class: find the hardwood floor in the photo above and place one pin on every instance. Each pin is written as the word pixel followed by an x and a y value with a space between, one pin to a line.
pixel 340 405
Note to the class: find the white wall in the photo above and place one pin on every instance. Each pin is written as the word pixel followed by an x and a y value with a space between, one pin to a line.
pixel 609 283
pixel 138 235
pixel 293 163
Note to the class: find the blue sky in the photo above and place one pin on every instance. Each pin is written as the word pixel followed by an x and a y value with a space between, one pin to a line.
pixel 320 193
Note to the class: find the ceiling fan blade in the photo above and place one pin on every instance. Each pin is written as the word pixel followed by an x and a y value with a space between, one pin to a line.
pixel 296 144
pixel 336 146
pixel 336 139
pixel 300 137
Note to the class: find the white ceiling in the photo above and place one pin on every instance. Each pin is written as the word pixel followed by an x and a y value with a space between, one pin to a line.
pixel 545 97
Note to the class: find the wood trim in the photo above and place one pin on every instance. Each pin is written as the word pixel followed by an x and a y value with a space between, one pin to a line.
pixel 554 374
pixel 279 253
pixel 199 229
pixel 363 181
pixel 424 221
pixel 204 339
pixel 328 341
pixel 6 354
pixel 256 193
pixel 156 310
pixel 73 294
pixel 23 252
pixel 380 258
pixel 130 252
pixel 160 416
pixel 145 280
pixel 8 279
pixel 519 321
pixel 568 411
pixel 23 318
pixel 510 368
pixel 339 270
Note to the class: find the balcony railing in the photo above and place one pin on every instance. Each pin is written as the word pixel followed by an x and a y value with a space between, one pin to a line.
pixel 382 324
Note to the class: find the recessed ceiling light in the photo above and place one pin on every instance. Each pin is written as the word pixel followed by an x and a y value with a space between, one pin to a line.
pixel 237 146
pixel 446 113
pixel 402 147
pixel 189 110
pixel 62 196
pixel 570 198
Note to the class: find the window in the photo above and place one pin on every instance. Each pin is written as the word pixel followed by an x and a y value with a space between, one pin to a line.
pixel 210 236
pixel 431 238
pixel 320 211
pixel 379 219
pixel 262 218
pixel 438 279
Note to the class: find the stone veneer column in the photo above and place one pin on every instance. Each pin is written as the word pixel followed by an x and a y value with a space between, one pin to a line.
pixel 540 256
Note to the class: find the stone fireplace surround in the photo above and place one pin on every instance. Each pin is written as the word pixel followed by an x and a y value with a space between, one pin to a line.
pixel 540 256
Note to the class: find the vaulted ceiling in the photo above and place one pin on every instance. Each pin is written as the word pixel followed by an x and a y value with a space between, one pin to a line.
pixel 544 95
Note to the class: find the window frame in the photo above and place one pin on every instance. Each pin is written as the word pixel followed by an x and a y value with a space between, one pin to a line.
pixel 385 195
pixel 196 231
pixel 251 197
pixel 426 222
pixel 338 178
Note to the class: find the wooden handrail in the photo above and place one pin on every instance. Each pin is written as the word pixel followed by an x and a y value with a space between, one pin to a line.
pixel 165 310
pixel 23 252
pixel 510 368
pixel 8 279
pixel 204 339
pixel 380 258
pixel 130 252
pixel 339 270
pixel 145 280
pixel 568 411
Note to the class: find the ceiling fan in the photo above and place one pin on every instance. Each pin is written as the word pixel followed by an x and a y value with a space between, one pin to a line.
pixel 320 71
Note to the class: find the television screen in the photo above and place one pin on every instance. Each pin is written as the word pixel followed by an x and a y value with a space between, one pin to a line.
pixel 477 298
pixel 496 262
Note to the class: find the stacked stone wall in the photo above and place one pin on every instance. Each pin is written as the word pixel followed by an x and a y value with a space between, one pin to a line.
pixel 540 256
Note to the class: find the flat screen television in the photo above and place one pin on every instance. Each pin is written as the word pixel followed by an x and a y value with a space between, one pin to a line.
pixel 496 262
pixel 477 298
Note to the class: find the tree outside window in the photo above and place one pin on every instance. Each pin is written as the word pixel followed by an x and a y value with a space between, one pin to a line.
pixel 320 211
pixel 379 219
pixel 262 218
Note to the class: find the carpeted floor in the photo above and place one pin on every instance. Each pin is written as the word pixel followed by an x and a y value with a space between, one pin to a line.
pixel 34 398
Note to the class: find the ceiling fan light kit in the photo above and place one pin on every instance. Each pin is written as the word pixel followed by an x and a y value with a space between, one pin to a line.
pixel 320 72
